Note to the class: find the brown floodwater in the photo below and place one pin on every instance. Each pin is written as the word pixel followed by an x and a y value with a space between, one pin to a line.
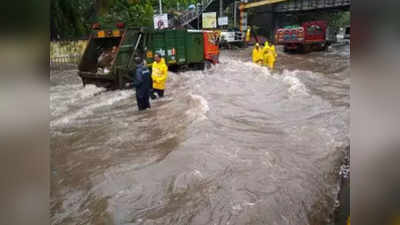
pixel 232 145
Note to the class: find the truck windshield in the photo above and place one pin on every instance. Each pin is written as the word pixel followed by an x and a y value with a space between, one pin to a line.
pixel 314 29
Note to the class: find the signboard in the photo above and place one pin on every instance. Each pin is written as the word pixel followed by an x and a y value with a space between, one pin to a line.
pixel 228 36
pixel 222 21
pixel 160 21
pixel 210 20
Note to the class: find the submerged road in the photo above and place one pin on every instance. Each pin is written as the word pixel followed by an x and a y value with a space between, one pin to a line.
pixel 233 145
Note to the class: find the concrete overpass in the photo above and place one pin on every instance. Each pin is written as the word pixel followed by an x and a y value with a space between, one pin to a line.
pixel 307 5
pixel 272 7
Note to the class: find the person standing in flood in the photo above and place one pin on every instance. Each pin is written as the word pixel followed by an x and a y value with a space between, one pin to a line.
pixel 142 83
pixel 272 57
pixel 159 75
pixel 266 53
pixel 257 55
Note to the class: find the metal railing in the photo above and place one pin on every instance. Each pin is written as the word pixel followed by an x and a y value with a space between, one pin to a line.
pixel 59 63
pixel 191 15
pixel 66 54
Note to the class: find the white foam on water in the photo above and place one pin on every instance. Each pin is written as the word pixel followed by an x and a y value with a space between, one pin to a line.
pixel 104 100
pixel 340 49
pixel 199 108
pixel 252 65
pixel 296 86
pixel 197 173
pixel 61 97
pixel 70 206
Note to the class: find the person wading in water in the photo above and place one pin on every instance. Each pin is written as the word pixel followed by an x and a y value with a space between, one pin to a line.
pixel 159 76
pixel 142 83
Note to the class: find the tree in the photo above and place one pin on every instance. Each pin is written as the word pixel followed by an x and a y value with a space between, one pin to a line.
pixel 70 19
pixel 335 18
pixel 131 13
pixel 103 6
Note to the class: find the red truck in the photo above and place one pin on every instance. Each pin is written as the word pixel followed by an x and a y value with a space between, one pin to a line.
pixel 314 35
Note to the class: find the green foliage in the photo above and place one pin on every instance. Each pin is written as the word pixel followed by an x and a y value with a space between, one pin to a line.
pixel 334 19
pixel 340 19
pixel 70 19
pixel 132 14
pixel 103 6
pixel 172 4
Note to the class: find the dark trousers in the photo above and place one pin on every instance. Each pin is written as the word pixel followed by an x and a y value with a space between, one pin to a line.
pixel 159 92
pixel 143 102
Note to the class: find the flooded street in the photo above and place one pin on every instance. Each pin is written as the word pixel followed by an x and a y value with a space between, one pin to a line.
pixel 233 145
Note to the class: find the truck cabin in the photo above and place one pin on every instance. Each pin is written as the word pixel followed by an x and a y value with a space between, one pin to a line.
pixel 315 30
pixel 309 31
pixel 313 35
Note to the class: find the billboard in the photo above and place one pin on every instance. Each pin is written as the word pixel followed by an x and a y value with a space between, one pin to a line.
pixel 210 20
pixel 222 21
pixel 160 21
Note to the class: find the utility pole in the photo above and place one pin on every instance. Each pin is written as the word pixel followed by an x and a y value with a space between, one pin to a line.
pixel 159 2
pixel 234 13
pixel 199 14
pixel 221 8
pixel 243 16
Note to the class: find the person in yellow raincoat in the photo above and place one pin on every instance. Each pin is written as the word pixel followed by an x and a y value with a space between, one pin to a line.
pixel 257 55
pixel 271 57
pixel 248 33
pixel 159 76
pixel 266 52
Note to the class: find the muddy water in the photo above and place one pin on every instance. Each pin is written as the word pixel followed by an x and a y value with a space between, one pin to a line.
pixel 234 145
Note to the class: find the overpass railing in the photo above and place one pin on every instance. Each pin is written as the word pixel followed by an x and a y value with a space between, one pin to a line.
pixel 300 5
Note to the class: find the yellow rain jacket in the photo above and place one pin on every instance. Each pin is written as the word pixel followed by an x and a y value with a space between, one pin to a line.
pixel 266 53
pixel 159 74
pixel 257 55
pixel 266 44
pixel 273 51
pixel 271 57
pixel 248 34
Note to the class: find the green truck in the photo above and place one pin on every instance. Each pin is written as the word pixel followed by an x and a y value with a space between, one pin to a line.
pixel 180 48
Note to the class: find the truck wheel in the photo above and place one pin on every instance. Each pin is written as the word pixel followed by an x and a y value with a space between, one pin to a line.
pixel 207 64
pixel 183 68
pixel 301 49
pixel 83 81
pixel 325 46
pixel 121 83
pixel 285 49
pixel 305 48
pixel 117 82
pixel 201 66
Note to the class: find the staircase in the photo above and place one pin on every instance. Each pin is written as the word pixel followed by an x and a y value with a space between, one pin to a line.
pixel 191 15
